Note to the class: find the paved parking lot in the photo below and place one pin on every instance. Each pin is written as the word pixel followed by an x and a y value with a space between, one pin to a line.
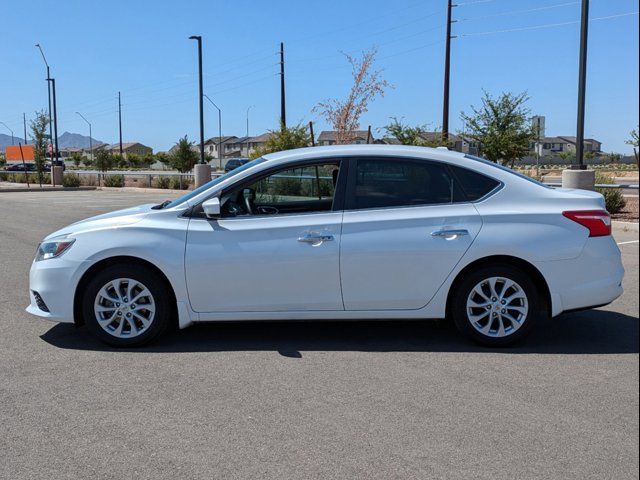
pixel 307 400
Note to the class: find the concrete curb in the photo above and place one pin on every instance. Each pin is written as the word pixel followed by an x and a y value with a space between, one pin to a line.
pixel 142 190
pixel 36 188
pixel 625 226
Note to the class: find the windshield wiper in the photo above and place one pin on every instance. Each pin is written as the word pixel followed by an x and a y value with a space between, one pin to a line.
pixel 162 205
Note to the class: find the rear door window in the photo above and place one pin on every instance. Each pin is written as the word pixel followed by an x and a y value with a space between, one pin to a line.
pixel 395 182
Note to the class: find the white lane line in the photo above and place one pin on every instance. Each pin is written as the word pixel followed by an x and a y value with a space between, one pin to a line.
pixel 627 243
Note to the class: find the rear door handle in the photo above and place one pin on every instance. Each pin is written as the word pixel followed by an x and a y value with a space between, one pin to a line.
pixel 450 234
pixel 315 239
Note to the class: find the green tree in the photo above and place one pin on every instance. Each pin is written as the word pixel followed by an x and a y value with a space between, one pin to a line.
pixel 104 160
pixel 419 135
pixel 287 138
pixel 76 158
pixel 614 157
pixel 502 127
pixel 184 157
pixel 39 138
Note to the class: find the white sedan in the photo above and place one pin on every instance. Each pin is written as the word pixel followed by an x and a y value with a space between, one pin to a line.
pixel 350 232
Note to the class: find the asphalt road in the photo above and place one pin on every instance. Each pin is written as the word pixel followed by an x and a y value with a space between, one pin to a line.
pixel 307 400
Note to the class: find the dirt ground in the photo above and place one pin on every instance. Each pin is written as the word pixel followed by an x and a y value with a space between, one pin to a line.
pixel 630 212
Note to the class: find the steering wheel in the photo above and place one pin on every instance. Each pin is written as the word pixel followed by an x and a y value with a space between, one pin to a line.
pixel 249 196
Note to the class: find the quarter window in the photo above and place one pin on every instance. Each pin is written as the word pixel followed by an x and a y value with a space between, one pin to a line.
pixel 383 183
pixel 474 185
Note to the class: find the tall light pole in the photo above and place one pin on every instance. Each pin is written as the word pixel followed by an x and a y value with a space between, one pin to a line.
pixel 55 117
pixel 247 140
pixel 90 138
pixel 7 127
pixel 49 93
pixel 24 124
pixel 582 80
pixel 249 108
pixel 219 130
pixel 198 38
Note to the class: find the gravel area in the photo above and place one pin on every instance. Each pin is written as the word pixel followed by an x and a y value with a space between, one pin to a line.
pixel 630 212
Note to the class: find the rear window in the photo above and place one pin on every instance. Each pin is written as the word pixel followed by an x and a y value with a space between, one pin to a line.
pixel 506 169
pixel 474 184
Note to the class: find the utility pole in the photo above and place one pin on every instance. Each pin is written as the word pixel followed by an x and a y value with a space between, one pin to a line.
pixel 582 80
pixel 283 113
pixel 447 69
pixel 120 121
pixel 24 123
pixel 198 38
pixel 313 138
pixel 49 93
pixel 249 108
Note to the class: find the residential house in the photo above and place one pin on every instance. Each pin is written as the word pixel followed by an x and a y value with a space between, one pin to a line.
pixel 359 137
pixel 553 146
pixel 128 149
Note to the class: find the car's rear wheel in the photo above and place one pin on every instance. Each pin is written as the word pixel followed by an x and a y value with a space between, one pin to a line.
pixel 126 305
pixel 496 305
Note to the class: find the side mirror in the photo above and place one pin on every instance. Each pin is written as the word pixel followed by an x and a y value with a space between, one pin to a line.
pixel 211 207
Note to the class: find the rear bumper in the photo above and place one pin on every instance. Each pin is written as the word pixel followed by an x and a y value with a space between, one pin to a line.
pixel 594 278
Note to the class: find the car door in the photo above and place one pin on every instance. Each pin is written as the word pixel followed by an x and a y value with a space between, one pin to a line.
pixel 406 225
pixel 275 247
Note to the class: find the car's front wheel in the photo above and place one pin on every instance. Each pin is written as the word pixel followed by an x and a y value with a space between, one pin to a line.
pixel 126 305
pixel 496 306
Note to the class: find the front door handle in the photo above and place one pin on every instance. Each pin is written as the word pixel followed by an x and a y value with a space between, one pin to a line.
pixel 450 234
pixel 315 239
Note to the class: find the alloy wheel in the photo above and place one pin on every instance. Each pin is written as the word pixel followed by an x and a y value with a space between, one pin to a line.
pixel 497 307
pixel 124 308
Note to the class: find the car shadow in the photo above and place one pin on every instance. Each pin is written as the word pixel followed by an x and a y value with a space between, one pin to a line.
pixel 589 332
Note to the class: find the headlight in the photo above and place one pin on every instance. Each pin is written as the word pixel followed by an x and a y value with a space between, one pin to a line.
pixel 53 248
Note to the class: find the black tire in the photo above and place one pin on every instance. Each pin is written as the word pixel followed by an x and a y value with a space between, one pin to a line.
pixel 160 296
pixel 461 314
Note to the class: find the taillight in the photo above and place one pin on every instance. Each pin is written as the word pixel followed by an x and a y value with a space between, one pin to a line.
pixel 597 221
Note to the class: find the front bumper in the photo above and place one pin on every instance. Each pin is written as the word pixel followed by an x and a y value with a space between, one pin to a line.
pixel 55 280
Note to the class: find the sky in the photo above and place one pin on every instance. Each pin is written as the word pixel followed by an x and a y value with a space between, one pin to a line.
pixel 141 48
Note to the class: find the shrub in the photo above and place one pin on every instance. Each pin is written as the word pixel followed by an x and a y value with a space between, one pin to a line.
pixel 89 180
pixel 176 184
pixel 114 181
pixel 613 198
pixel 71 180
pixel 162 182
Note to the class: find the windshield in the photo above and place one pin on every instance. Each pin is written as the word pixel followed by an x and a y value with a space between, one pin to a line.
pixel 215 181
pixel 506 169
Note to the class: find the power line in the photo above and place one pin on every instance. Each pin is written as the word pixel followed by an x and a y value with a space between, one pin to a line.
pixel 548 25
pixel 515 12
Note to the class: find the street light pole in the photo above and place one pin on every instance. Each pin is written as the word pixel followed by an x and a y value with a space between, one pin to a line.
pixel 247 140
pixel 7 127
pixel 219 130
pixel 90 138
pixel 49 94
pixel 55 117
pixel 198 38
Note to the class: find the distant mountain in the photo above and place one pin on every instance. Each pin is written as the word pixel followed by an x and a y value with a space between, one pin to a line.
pixel 75 140
pixel 66 140
pixel 5 141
